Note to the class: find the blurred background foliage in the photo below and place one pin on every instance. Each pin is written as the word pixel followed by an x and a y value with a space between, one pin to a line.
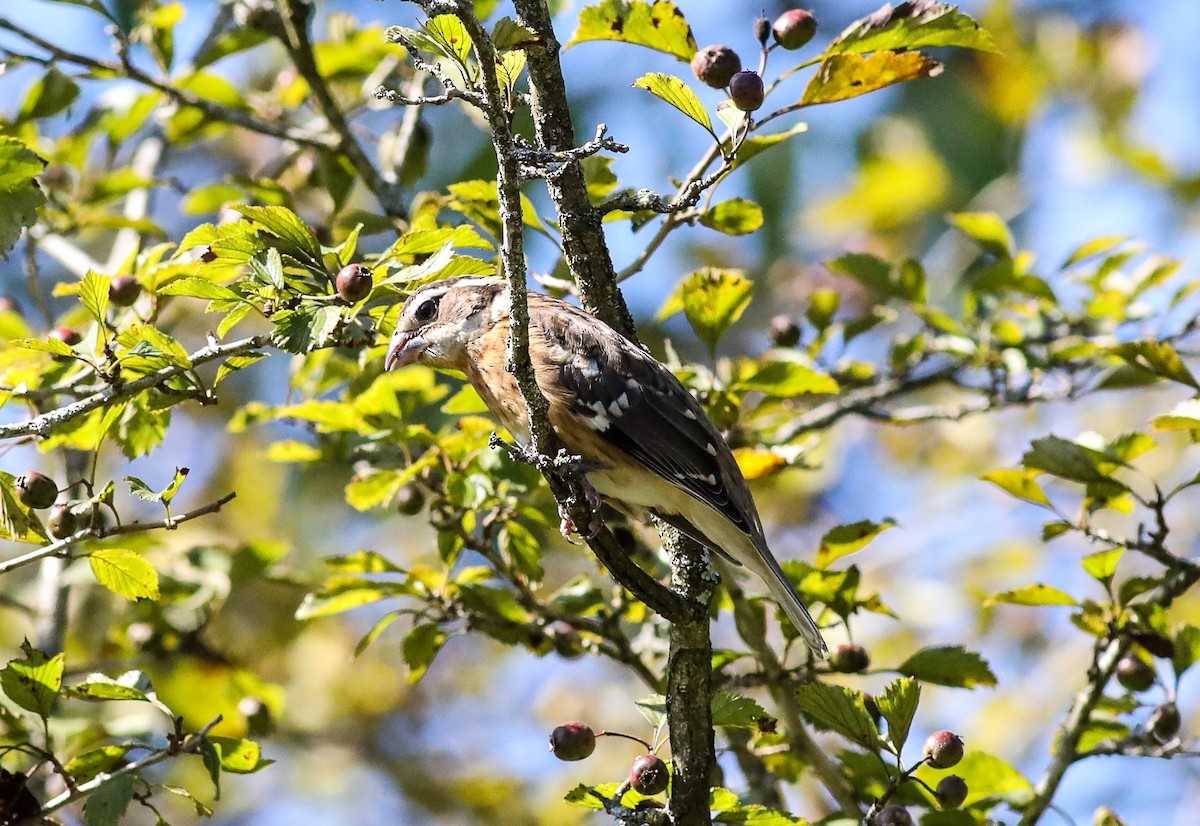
pixel 1083 125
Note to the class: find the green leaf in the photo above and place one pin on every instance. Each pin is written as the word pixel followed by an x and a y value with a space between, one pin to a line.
pixel 898 705
pixel 1019 482
pixel 737 216
pixel 988 230
pixel 168 493
pixel 913 26
pixel 879 276
pixel 107 805
pixel 20 197
pixel 238 755
pixel 1187 649
pixel 343 593
pixel 847 539
pixel 196 287
pixel 1102 565
pixel 509 34
pixel 712 299
pixel 285 224
pixel 839 709
pixel 654 709
pixel 451 35
pixel 212 762
pixel 362 562
pixel 1067 460
pixel 84 767
pixel 125 573
pixel 677 93
pixel 1093 248
pixel 758 144
pixel 1036 594
pixel 49 95
pixel 735 711
pixel 521 546
pixel 33 680
pixel 990 781
pixel 1184 416
pixel 950 665
pixel 420 647
pixel 845 76
pixel 660 26
pixel 1159 358
pixel 787 379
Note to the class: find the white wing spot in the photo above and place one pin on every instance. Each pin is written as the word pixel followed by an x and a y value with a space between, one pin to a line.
pixel 689 414
pixel 615 409
pixel 711 448
pixel 623 400
pixel 711 479
pixel 599 422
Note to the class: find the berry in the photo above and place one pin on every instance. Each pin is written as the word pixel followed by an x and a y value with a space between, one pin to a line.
pixel 894 816
pixel 716 65
pixel 124 290
pixel 762 29
pixel 66 335
pixel 565 639
pixel 572 741
pixel 409 500
pixel 354 282
pixel 849 658
pixel 1156 644
pixel 794 28
pixel 36 490
pixel 746 91
pixel 951 791
pixel 784 331
pixel 63 522
pixel 649 775
pixel 1165 721
pixel 1134 673
pixel 943 749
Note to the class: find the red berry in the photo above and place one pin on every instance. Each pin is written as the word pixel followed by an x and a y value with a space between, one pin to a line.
pixel 943 749
pixel 849 658
pixel 124 290
pixel 66 335
pixel 746 91
pixel 716 65
pixel 951 791
pixel 1134 673
pixel 794 28
pixel 354 282
pixel 572 741
pixel 649 775
pixel 36 490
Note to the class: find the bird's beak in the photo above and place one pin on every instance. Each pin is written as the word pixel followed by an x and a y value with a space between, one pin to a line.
pixel 405 349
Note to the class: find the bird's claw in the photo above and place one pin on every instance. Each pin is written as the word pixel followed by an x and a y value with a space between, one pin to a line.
pixel 595 522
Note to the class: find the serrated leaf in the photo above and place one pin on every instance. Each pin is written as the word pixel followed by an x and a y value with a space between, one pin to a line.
pixel 1019 482
pixel 509 34
pixel 712 299
pixel 653 708
pixel 33 680
pixel 1066 460
pixel 845 76
pixel 52 345
pixel 737 216
pixel 839 709
pixel 93 293
pixel 521 546
pixel 898 705
pixel 285 224
pixel 20 197
pixel 732 710
pixel 787 379
pixel 950 665
pixel 659 25
pixel 125 573
pixel 420 647
pixel 847 539
pixel 988 230
pixel 913 25
pixel 196 287
pixel 451 35
pixel 1037 593
pixel 674 91
pixel 108 803
pixel 1159 358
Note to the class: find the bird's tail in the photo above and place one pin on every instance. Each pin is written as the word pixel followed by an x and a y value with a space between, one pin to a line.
pixel 783 591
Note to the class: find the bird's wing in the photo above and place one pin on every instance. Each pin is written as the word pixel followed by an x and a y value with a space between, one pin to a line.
pixel 638 406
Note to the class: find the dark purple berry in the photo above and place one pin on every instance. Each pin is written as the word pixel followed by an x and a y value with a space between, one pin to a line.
pixel 124 290
pixel 36 490
pixel 572 741
pixel 894 816
pixel 1165 721
pixel 762 30
pixel 785 332
pixel 1134 673
pixel 794 28
pixel 849 658
pixel 746 91
pixel 63 522
pixel 649 775
pixel 715 65
pixel 66 335
pixel 951 791
pixel 409 500
pixel 943 749
pixel 354 282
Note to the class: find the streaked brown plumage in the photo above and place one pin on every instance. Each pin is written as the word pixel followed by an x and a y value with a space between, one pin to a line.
pixel 612 404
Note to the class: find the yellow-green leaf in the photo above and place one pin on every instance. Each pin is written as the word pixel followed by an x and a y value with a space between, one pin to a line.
pixel 844 76
pixel 847 539
pixel 659 25
pixel 93 292
pixel 1037 593
pixel 677 93
pixel 913 26
pixel 987 229
pixel 736 216
pixel 125 573
pixel 33 680
pixel 1020 483
pixel 712 299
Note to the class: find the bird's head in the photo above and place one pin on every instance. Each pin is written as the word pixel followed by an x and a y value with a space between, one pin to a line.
pixel 438 320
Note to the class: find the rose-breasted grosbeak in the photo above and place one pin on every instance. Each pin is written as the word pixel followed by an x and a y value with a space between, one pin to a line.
pixel 645 441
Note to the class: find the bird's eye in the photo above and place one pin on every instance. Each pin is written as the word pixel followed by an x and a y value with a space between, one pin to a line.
pixel 426 310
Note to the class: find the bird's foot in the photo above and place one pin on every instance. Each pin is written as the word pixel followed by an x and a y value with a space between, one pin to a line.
pixel 595 521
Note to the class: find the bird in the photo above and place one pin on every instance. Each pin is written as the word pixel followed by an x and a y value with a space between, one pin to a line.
pixel 644 441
